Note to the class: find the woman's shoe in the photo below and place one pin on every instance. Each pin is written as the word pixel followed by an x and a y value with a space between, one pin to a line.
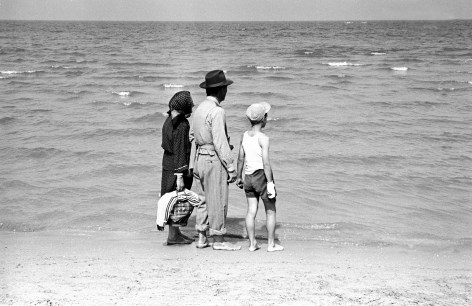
pixel 186 237
pixel 178 240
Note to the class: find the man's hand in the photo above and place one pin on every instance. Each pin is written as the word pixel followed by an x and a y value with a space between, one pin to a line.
pixel 231 176
pixel 240 183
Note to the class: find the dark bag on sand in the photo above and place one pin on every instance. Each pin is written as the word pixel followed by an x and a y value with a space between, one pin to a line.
pixel 181 212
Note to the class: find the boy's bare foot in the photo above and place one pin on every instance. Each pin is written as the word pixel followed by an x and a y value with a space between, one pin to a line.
pixel 274 248
pixel 255 247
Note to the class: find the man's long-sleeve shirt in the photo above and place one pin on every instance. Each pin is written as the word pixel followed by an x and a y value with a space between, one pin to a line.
pixel 209 129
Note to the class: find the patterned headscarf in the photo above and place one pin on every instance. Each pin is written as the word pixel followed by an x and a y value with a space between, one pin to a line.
pixel 182 101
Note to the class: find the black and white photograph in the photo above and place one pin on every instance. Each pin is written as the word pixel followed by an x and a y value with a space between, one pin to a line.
pixel 236 152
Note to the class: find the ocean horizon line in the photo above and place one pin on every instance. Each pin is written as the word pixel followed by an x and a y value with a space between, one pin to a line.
pixel 238 21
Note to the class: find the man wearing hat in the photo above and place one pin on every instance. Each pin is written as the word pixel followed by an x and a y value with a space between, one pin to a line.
pixel 213 165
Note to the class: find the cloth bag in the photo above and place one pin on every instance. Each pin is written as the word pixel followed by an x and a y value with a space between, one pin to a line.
pixel 176 207
pixel 181 212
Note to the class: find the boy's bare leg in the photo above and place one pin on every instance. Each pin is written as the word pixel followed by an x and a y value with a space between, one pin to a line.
pixel 270 224
pixel 252 204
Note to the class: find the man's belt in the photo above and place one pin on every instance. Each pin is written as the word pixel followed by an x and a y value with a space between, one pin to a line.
pixel 206 149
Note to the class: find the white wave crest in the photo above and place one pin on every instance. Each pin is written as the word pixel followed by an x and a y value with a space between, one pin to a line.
pixel 122 93
pixel 16 72
pixel 399 68
pixel 470 82
pixel 339 64
pixel 130 103
pixel 173 86
pixel 270 67
pixel 308 52
pixel 378 53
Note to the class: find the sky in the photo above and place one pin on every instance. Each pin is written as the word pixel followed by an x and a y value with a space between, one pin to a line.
pixel 234 10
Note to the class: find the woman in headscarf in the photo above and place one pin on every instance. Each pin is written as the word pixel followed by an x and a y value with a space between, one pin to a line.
pixel 175 162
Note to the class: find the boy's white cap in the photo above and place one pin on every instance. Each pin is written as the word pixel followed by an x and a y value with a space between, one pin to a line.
pixel 257 111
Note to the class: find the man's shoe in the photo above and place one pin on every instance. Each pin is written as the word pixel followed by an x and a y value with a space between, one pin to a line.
pixel 226 246
pixel 202 244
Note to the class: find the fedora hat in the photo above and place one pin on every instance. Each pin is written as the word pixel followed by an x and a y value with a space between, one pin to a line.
pixel 215 78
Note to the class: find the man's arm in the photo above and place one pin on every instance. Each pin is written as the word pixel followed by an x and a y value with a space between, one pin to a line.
pixel 193 149
pixel 220 140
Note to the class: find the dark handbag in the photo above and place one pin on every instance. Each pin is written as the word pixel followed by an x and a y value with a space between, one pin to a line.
pixel 181 212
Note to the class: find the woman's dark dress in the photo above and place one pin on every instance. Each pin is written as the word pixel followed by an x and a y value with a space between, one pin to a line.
pixel 176 145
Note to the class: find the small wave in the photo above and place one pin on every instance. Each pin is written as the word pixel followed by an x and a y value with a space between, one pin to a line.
pixel 319 226
pixel 399 68
pixel 339 76
pixel 173 85
pixel 126 93
pixel 84 61
pixel 118 133
pixel 42 152
pixel 156 117
pixel 40 110
pixel 10 226
pixel 122 93
pixel 329 87
pixel 470 82
pixel 343 64
pixel 269 67
pixel 57 67
pixel 137 64
pixel 278 78
pixel 450 89
pixel 264 95
pixel 310 53
pixel 121 169
pixel 18 184
pixel 12 72
pixel 147 79
pixel 19 83
pixel 74 73
pixel 78 92
pixel 6 120
pixel 378 53
pixel 136 104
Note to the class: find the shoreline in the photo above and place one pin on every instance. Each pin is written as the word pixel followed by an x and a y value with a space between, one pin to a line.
pixel 91 268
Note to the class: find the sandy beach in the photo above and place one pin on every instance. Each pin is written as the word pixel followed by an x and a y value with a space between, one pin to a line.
pixel 103 268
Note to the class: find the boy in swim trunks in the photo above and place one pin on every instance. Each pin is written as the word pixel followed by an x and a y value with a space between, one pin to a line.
pixel 258 181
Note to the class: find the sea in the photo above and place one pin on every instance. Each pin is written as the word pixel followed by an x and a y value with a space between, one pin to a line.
pixel 370 127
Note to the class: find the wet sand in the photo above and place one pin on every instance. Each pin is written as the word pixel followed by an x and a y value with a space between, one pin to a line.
pixel 103 268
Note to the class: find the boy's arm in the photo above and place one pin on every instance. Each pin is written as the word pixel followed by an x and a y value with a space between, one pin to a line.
pixel 264 143
pixel 241 156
